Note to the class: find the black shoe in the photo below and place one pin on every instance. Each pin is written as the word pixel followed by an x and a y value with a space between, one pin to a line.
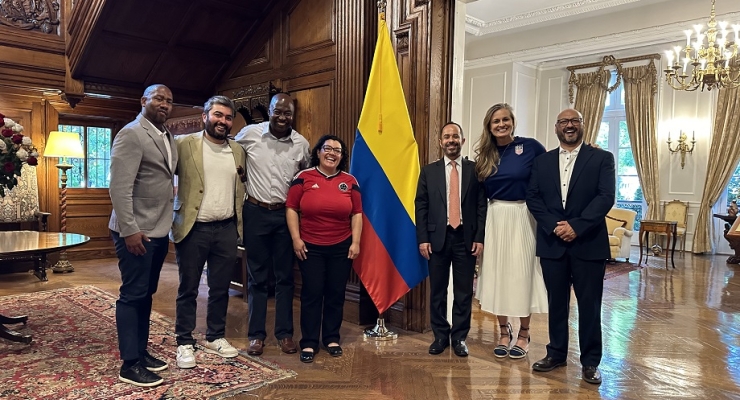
pixel 460 348
pixel 334 351
pixel 438 346
pixel 548 364
pixel 592 375
pixel 306 356
pixel 139 376
pixel 152 364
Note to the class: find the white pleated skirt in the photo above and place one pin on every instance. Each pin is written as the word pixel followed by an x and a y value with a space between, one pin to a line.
pixel 510 279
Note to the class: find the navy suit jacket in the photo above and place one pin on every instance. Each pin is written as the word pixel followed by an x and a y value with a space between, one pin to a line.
pixel 431 205
pixel 590 197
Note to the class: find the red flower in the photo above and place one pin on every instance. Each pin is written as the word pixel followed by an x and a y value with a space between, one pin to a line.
pixel 7 132
pixel 9 167
pixel 17 139
pixel 31 160
pixel 1 116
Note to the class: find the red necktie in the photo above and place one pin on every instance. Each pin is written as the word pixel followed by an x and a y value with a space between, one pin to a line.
pixel 454 200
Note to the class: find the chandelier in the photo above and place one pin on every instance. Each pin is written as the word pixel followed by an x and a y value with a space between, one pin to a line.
pixel 712 62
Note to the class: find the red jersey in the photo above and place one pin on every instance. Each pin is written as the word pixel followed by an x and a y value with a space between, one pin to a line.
pixel 326 205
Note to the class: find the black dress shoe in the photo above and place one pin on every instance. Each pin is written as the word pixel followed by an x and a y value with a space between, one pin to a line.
pixel 138 375
pixel 152 364
pixel 334 351
pixel 591 374
pixel 548 364
pixel 306 356
pixel 438 346
pixel 460 348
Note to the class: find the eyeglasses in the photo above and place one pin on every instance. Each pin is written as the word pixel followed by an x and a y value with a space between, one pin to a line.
pixel 564 122
pixel 329 149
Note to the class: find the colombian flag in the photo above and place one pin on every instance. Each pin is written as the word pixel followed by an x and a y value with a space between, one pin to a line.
pixel 385 161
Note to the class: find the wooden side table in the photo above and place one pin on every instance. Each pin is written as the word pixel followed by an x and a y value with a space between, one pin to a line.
pixel 667 227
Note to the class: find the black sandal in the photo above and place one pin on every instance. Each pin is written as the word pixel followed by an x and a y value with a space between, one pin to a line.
pixel 517 352
pixel 306 356
pixel 502 350
pixel 334 351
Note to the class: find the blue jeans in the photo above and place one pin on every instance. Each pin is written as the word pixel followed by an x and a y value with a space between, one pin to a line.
pixel 139 279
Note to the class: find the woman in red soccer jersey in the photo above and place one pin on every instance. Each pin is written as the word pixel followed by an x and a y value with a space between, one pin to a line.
pixel 324 213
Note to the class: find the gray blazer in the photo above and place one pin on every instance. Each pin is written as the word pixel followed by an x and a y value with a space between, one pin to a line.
pixel 141 181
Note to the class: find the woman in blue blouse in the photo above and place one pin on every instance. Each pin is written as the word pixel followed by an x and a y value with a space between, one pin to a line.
pixel 510 282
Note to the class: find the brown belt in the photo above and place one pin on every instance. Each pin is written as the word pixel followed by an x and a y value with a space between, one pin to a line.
pixel 274 206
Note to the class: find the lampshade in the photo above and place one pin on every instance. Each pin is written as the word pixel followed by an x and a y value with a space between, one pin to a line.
pixel 64 144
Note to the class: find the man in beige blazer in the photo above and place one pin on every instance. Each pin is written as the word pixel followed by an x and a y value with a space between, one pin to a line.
pixel 142 165
pixel 206 227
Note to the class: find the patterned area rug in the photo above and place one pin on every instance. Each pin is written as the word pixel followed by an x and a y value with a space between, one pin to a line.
pixel 616 268
pixel 74 354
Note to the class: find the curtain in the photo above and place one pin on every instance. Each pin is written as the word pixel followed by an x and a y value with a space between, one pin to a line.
pixel 724 155
pixel 590 100
pixel 640 87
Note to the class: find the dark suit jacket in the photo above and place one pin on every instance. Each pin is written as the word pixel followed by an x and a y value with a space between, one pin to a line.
pixel 431 205
pixel 590 196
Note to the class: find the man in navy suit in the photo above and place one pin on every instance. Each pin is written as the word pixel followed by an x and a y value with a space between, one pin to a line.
pixel 450 221
pixel 570 191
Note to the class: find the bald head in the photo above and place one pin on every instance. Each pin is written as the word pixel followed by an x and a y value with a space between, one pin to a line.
pixel 156 104
pixel 569 128
pixel 281 115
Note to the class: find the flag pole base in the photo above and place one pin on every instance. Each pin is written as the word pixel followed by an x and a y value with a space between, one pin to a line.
pixel 380 332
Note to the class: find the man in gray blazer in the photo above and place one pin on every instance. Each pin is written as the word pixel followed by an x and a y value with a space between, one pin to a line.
pixel 143 159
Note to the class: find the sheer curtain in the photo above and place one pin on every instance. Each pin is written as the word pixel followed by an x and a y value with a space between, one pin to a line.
pixel 640 87
pixel 591 99
pixel 725 153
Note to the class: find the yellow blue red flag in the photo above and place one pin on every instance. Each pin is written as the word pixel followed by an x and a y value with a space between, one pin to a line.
pixel 385 161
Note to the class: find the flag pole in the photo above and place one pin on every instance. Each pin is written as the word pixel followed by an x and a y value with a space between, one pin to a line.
pixel 380 332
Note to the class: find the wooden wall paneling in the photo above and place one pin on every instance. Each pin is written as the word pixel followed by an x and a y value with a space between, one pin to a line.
pixel 88 212
pixel 313 111
pixel 309 32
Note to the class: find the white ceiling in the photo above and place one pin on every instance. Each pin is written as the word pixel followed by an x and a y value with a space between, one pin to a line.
pixel 485 18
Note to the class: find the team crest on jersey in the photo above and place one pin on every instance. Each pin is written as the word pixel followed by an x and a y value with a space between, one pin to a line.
pixel 343 187
pixel 519 149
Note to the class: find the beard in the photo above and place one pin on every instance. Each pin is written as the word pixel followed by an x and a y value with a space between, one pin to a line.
pixel 212 132
pixel 452 150
pixel 577 138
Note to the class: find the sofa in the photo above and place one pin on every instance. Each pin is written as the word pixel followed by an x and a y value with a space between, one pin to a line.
pixel 620 223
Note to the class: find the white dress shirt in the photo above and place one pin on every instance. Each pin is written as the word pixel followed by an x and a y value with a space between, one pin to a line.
pixel 567 161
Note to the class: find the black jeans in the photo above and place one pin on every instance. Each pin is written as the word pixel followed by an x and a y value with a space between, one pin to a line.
pixel 325 272
pixel 215 243
pixel 139 280
pixel 268 245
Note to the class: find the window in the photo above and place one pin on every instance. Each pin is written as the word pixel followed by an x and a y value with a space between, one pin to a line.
pixel 733 187
pixel 613 136
pixel 93 171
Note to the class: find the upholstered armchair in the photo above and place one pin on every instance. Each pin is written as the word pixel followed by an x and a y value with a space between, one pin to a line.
pixel 620 223
pixel 19 209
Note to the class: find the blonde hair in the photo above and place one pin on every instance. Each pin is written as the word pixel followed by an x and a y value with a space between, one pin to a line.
pixel 486 152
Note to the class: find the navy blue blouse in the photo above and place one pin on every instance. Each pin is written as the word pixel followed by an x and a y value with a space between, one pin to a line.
pixel 512 178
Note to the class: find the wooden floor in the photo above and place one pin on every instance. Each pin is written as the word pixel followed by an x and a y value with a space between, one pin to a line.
pixel 667 335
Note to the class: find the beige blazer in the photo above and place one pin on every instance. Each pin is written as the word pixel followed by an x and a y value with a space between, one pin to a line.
pixel 141 181
pixel 190 184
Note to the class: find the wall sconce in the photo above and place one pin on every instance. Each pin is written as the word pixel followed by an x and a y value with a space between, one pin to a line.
pixel 682 146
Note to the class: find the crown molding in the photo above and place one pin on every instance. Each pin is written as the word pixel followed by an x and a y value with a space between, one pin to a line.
pixel 552 54
pixel 478 27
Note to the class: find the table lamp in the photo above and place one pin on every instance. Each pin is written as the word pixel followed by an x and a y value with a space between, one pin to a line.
pixel 63 145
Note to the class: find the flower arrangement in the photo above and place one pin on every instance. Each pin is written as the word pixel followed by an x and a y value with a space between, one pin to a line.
pixel 15 150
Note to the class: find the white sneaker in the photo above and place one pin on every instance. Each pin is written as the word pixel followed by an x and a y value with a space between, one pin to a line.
pixel 221 347
pixel 185 356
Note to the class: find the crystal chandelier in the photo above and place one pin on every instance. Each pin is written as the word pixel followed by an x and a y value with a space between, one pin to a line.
pixel 712 62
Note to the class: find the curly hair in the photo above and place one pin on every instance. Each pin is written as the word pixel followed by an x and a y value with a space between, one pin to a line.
pixel 486 152
pixel 342 166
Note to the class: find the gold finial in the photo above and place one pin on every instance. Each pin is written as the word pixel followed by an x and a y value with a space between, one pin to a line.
pixel 381 8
